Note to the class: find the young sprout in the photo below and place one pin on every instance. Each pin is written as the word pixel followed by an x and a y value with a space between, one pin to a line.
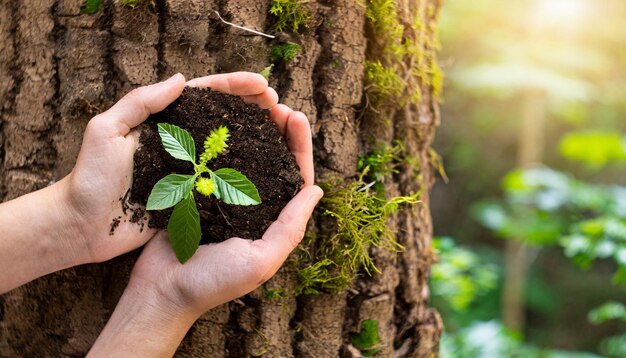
pixel 228 185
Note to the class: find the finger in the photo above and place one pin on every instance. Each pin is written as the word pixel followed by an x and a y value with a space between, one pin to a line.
pixel 237 83
pixel 159 242
pixel 133 135
pixel 267 99
pixel 137 105
pixel 288 230
pixel 300 143
pixel 279 114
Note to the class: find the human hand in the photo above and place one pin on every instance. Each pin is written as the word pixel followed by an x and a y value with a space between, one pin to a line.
pixel 171 296
pixel 218 273
pixel 95 189
pixel 68 223
pixel 103 173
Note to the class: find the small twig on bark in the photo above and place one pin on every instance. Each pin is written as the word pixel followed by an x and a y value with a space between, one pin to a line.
pixel 243 28
pixel 367 186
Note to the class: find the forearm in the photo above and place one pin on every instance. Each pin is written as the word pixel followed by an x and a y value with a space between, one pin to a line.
pixel 142 325
pixel 34 231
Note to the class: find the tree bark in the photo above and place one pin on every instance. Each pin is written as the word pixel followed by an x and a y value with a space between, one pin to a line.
pixel 59 67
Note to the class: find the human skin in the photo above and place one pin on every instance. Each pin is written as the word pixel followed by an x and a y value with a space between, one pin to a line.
pixel 164 298
pixel 68 223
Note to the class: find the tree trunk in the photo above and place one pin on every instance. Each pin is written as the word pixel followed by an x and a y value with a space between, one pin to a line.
pixel 517 255
pixel 59 67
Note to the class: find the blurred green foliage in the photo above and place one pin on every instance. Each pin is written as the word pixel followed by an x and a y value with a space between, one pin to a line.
pixel 461 276
pixel 542 206
pixel 595 149
pixel 599 238
pixel 491 339
pixel 608 311
pixel 496 53
pixel 614 346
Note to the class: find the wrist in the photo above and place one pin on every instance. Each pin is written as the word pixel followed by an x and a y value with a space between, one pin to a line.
pixel 143 315
pixel 68 225
pixel 37 237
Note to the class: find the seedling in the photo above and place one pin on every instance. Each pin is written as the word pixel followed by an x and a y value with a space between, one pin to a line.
pixel 267 72
pixel 228 185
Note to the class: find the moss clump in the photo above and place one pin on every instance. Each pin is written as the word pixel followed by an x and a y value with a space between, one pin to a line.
pixel 292 15
pixel 404 59
pixel 383 17
pixel 436 75
pixel 333 262
pixel 275 294
pixel 383 83
pixel 382 161
pixel 437 163
pixel 91 6
pixel 285 52
pixel 134 3
pixel 368 340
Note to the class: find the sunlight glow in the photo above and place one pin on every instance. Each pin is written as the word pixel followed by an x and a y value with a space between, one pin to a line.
pixel 559 13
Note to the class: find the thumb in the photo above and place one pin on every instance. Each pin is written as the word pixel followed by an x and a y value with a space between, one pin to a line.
pixel 137 105
pixel 288 230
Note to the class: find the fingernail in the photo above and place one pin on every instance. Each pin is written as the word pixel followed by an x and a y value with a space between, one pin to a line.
pixel 317 194
pixel 173 78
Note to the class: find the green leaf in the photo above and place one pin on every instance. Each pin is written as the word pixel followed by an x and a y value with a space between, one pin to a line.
pixel 608 311
pixel 168 191
pixel 184 229
pixel 178 142
pixel 595 149
pixel 232 187
pixel 91 6
pixel 267 72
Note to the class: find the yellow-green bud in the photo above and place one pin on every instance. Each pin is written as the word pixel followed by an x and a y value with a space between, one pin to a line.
pixel 205 186
pixel 214 144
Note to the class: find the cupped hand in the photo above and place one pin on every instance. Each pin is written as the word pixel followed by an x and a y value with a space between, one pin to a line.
pixel 164 297
pixel 96 187
pixel 220 272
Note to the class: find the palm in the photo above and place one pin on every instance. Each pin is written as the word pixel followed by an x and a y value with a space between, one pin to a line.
pixel 215 274
pixel 218 273
pixel 99 184
pixel 103 172
pixel 221 272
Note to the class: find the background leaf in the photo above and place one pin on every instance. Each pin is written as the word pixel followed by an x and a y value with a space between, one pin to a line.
pixel 232 187
pixel 608 311
pixel 178 142
pixel 168 191
pixel 184 229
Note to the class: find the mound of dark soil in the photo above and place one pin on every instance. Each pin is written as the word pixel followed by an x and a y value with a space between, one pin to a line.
pixel 255 148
